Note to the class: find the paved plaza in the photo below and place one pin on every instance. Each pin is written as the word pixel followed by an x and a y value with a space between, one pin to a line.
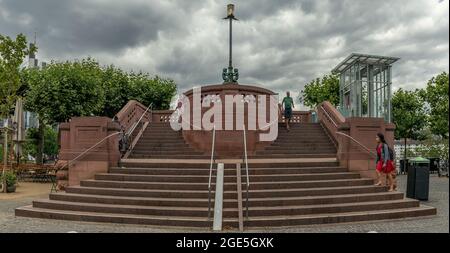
pixel 27 192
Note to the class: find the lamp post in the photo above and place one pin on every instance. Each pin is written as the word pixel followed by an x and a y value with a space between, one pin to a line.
pixel 230 74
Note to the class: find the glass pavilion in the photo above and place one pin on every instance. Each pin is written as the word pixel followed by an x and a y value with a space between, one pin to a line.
pixel 365 86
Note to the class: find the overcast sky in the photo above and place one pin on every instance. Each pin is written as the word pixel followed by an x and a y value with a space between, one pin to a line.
pixel 280 45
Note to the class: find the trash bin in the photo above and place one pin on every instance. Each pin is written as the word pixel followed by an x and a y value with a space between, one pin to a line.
pixel 418 180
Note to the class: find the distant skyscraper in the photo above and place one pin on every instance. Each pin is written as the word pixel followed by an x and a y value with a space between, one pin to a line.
pixel 32 61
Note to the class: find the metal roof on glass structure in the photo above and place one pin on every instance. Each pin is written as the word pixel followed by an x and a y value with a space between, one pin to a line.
pixel 363 58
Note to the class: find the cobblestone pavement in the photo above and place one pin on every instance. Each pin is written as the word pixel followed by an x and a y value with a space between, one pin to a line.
pixel 439 198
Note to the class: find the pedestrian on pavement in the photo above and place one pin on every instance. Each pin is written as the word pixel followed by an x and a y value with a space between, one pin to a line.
pixel 384 165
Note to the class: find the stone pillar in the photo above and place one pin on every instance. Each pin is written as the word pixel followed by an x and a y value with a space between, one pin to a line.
pixel 80 134
pixel 364 131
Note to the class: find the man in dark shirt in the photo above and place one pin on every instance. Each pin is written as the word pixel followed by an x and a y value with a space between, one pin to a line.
pixel 288 103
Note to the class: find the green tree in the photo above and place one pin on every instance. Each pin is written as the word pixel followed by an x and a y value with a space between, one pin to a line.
pixel 12 53
pixel 158 91
pixel 117 89
pixel 64 90
pixel 61 91
pixel 409 116
pixel 436 96
pixel 320 90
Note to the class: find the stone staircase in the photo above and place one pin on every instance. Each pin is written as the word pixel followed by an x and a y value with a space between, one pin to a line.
pixel 303 140
pixel 160 141
pixel 295 181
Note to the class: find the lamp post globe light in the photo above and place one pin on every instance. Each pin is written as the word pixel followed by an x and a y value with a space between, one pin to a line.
pixel 230 74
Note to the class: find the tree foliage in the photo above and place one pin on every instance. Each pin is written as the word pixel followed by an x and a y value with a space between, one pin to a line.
pixel 320 90
pixel 157 91
pixel 82 88
pixel 408 114
pixel 64 90
pixel 116 86
pixel 12 53
pixel 436 95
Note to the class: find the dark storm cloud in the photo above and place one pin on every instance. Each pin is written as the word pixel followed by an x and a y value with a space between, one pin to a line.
pixel 79 27
pixel 280 45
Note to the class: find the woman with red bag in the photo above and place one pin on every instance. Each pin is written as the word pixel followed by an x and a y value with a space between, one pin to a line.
pixel 384 164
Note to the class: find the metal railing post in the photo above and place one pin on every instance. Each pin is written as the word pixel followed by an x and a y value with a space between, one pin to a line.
pixel 246 170
pixel 210 171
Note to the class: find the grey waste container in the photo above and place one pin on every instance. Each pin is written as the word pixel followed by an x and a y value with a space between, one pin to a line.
pixel 418 180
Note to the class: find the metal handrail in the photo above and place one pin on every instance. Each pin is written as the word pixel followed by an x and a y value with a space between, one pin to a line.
pixel 328 116
pixel 101 141
pixel 359 143
pixel 246 171
pixel 87 150
pixel 210 171
pixel 139 121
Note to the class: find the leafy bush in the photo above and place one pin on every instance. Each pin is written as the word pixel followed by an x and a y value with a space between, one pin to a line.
pixel 10 177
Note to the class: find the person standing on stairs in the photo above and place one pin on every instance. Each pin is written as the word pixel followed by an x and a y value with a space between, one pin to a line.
pixel 384 164
pixel 288 104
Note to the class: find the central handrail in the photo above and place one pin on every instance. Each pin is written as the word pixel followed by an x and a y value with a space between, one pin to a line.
pixel 210 171
pixel 246 170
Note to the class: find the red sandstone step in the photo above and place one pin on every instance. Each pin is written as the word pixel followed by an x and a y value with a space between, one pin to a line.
pixel 228 186
pixel 332 208
pixel 161 138
pixel 292 164
pixel 174 156
pixel 29 211
pixel 205 170
pixel 287 151
pixel 127 192
pixel 160 141
pixel 130 163
pixel 146 185
pixel 183 164
pixel 295 220
pixel 260 221
pixel 318 155
pixel 228 203
pixel 264 193
pixel 151 148
pixel 300 139
pixel 316 191
pixel 166 152
pixel 228 178
pixel 130 209
pixel 309 184
pixel 142 201
pixel 298 144
pixel 295 131
pixel 165 145
pixel 325 199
